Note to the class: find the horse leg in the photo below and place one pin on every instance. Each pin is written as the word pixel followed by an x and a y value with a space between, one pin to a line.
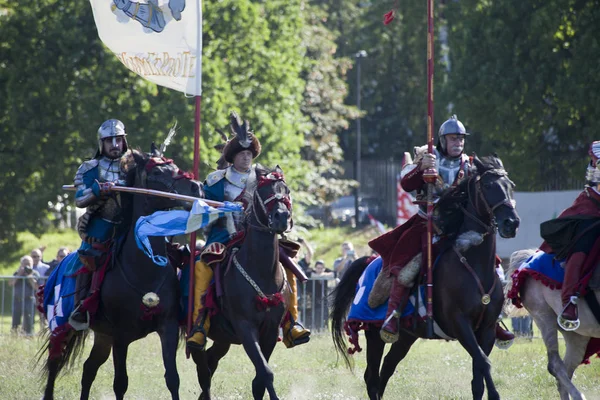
pixel 52 367
pixel 487 339
pixel 481 363
pixel 398 351
pixel 264 375
pixel 121 381
pixel 169 336
pixel 575 351
pixel 375 347
pixel 98 356
pixel 202 371
pixel 215 353
pixel 267 343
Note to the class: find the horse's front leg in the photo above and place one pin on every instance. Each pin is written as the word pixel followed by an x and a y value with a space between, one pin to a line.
pixel 169 336
pixel 486 339
pixel 481 363
pixel 268 341
pixel 98 356
pixel 121 381
pixel 375 347
pixel 264 376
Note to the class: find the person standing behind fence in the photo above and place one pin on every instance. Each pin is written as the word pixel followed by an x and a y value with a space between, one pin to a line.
pixel 24 295
pixel 319 278
pixel 306 259
pixel 38 264
pixel 60 255
pixel 341 263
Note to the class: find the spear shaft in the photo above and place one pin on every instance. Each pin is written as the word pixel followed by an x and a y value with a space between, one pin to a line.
pixel 430 175
pixel 158 193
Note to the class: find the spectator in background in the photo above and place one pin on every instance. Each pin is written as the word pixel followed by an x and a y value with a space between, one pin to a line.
pixel 307 256
pixel 341 263
pixel 522 326
pixel 319 277
pixel 38 264
pixel 24 295
pixel 60 255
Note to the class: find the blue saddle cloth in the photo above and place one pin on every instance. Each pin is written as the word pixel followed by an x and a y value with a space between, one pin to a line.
pixel 59 291
pixel 360 309
pixel 544 264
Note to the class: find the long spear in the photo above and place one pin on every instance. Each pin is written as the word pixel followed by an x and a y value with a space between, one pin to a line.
pixel 158 193
pixel 430 174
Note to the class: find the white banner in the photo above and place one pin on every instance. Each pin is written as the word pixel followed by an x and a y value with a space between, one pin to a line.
pixel 160 40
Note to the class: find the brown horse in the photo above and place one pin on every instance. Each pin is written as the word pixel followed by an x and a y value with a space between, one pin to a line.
pixel 467 297
pixel 120 318
pixel 254 277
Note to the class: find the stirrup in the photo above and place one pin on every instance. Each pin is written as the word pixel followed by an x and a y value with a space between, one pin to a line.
pixel 503 344
pixel 389 337
pixel 567 324
pixel 79 326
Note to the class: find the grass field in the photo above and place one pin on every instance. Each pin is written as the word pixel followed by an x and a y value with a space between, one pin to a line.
pixel 432 370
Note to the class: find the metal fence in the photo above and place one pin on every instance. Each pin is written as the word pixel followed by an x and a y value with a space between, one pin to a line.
pixel 313 302
pixel 18 313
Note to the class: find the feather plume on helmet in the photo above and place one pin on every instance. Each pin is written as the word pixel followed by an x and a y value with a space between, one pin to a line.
pixel 243 139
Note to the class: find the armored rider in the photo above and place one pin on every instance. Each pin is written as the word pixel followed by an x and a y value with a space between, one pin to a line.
pixel 401 249
pixel 584 253
pixel 230 184
pixel 103 220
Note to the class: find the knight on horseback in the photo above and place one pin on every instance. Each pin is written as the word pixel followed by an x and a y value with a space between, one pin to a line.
pixel 103 220
pixel 232 184
pixel 578 264
pixel 401 249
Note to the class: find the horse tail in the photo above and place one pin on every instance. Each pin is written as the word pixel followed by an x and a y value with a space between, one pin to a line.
pixel 516 259
pixel 72 343
pixel 341 298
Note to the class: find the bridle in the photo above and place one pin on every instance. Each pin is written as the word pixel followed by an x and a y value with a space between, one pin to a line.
pixel 266 205
pixel 492 226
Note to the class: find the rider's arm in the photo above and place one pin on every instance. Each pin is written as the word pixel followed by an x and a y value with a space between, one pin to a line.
pixel 86 183
pixel 411 177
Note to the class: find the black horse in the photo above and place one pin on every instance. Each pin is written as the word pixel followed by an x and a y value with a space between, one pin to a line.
pixel 467 295
pixel 120 318
pixel 255 291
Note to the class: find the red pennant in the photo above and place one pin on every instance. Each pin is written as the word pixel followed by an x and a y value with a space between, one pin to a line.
pixel 388 17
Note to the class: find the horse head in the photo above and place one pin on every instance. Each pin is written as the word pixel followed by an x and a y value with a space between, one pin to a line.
pixel 494 195
pixel 154 171
pixel 271 201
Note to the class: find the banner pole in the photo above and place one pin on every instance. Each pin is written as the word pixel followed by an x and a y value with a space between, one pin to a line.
pixel 430 175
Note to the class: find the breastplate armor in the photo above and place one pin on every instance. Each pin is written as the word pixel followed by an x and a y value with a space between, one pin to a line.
pixel 110 171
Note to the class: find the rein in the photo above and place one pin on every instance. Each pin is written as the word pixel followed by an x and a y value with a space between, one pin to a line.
pixel 490 228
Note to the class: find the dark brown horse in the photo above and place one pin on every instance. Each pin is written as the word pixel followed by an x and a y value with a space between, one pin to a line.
pixel 253 278
pixel 120 318
pixel 467 297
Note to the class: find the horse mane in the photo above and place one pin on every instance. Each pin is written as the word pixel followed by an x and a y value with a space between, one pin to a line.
pixel 449 216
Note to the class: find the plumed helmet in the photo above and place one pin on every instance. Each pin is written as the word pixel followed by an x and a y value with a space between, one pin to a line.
pixel 452 126
pixel 592 175
pixel 243 139
pixel 109 129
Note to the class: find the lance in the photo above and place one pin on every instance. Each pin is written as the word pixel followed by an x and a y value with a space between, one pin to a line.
pixel 430 174
pixel 158 193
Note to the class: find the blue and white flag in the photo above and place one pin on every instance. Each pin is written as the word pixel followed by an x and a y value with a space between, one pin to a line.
pixel 177 222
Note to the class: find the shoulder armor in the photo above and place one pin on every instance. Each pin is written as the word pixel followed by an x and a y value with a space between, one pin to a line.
pixel 83 168
pixel 215 176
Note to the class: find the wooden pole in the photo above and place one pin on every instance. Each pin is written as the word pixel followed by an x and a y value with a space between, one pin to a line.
pixel 430 175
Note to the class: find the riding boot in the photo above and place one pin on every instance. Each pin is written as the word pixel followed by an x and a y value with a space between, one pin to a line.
pixel 293 331
pixel 80 318
pixel 503 334
pixel 569 318
pixel 203 274
pixel 398 296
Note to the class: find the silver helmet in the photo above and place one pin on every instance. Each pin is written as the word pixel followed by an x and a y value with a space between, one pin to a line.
pixel 111 128
pixel 452 126
pixel 592 175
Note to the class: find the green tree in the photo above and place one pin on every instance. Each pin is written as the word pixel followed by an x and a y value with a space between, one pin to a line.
pixel 522 77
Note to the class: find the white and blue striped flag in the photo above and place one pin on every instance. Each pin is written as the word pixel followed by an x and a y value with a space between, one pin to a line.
pixel 178 222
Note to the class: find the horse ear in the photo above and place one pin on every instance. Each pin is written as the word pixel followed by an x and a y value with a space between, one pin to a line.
pixel 154 150
pixel 278 169
pixel 478 164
